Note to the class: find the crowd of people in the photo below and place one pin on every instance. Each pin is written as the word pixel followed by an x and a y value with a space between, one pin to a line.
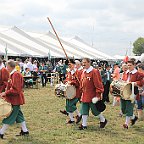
pixel 95 84
pixel 92 82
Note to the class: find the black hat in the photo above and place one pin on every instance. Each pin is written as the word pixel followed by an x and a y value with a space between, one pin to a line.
pixel 99 65
pixel 100 106
pixel 116 63
pixel 138 62
pixel 140 65
pixel 69 61
pixel 107 65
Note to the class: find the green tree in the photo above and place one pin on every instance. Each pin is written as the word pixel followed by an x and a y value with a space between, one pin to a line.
pixel 138 46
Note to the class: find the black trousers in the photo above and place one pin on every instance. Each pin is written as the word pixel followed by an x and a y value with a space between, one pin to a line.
pixel 62 77
pixel 106 92
pixel 44 79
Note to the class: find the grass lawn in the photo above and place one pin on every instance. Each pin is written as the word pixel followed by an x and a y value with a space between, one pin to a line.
pixel 48 126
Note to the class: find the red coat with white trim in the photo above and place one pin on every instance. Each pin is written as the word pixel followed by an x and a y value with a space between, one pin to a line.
pixel 134 77
pixel 4 76
pixel 91 84
pixel 14 92
pixel 74 79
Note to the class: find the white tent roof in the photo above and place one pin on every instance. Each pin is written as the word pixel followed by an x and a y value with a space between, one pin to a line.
pixel 77 41
pixel 21 43
pixel 51 40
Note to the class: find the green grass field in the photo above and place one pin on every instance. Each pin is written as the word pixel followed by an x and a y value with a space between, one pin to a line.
pixel 48 126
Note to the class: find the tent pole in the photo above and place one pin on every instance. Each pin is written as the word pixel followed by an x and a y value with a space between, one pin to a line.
pixel 57 37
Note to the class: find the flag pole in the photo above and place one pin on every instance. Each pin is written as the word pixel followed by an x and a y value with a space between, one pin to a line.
pixel 57 37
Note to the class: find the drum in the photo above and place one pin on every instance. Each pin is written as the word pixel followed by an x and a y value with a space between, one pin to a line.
pixel 65 90
pixel 70 92
pixel 5 108
pixel 59 90
pixel 122 89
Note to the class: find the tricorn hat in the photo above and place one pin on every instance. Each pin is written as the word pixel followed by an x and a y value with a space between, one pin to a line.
pixel 100 106
pixel 69 61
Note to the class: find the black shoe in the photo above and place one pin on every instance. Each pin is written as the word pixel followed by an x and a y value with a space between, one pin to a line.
pixel 120 115
pixel 78 119
pixel 103 124
pixel 22 133
pixel 125 126
pixel 64 112
pixel 70 122
pixel 1 136
pixel 81 127
pixel 133 121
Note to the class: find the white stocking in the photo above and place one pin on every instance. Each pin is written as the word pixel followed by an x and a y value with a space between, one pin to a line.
pixel 3 129
pixel 71 116
pixel 23 126
pixel 84 120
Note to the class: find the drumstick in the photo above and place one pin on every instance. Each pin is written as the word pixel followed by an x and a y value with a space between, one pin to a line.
pixel 58 38
pixel 60 43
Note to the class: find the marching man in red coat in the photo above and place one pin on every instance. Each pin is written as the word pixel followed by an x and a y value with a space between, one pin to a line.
pixel 4 76
pixel 92 87
pixel 127 106
pixel 14 95
pixel 73 78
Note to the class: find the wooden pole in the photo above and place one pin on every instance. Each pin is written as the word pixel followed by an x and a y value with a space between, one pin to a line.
pixel 61 44
pixel 57 37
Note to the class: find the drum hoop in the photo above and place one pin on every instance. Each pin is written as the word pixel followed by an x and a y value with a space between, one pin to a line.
pixel 125 89
pixel 6 115
pixel 122 87
pixel 74 92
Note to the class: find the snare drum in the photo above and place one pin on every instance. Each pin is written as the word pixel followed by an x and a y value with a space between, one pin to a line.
pixel 121 89
pixel 70 92
pixel 65 90
pixel 59 90
pixel 5 108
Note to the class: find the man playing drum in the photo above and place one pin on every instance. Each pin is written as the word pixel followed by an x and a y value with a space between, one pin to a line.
pixel 123 76
pixel 72 78
pixel 92 87
pixel 116 76
pixel 132 75
pixel 78 66
pixel 14 95
pixel 4 76
pixel 140 102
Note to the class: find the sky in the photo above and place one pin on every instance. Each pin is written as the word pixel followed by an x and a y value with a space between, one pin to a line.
pixel 110 26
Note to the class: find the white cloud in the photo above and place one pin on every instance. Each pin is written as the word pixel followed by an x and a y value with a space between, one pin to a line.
pixel 109 24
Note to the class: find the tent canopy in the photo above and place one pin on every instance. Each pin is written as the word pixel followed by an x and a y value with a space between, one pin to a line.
pixel 20 43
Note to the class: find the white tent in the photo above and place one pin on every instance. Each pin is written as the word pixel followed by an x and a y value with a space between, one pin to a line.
pixel 50 40
pixel 22 43
pixel 82 45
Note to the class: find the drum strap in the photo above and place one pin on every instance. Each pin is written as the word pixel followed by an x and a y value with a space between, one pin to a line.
pixel 132 97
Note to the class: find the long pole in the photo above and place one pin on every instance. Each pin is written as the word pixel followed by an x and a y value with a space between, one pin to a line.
pixel 61 44
pixel 57 37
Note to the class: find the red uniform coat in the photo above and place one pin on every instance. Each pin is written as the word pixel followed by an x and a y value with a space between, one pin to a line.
pixel 74 79
pixel 4 76
pixel 14 92
pixel 91 84
pixel 134 77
